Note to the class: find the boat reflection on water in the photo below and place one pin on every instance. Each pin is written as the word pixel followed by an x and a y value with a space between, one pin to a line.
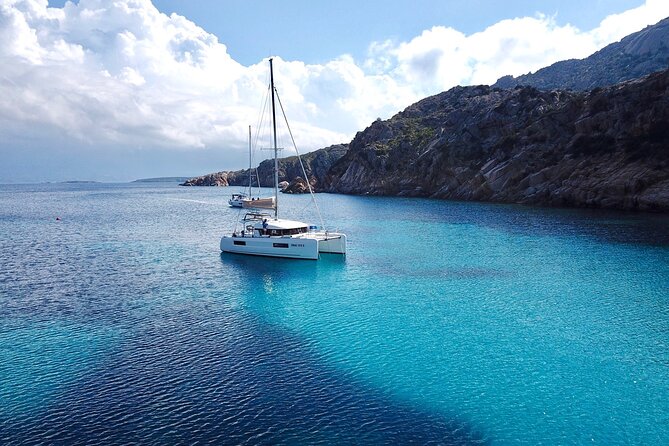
pixel 252 265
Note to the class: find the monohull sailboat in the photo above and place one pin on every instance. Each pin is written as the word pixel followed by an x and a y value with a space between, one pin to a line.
pixel 239 200
pixel 264 234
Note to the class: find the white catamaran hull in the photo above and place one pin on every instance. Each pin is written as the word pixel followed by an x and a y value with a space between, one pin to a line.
pixel 334 243
pixel 300 247
pixel 293 248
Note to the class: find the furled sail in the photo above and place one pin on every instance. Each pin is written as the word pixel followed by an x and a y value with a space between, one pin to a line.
pixel 259 203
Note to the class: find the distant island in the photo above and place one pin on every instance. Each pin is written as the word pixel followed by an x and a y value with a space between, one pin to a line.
pixel 161 180
pixel 79 182
pixel 540 139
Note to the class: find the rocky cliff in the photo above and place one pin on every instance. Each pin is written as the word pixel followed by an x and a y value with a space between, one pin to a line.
pixel 636 55
pixel 316 165
pixel 606 148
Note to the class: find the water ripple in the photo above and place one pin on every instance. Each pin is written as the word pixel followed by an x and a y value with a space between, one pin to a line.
pixel 122 324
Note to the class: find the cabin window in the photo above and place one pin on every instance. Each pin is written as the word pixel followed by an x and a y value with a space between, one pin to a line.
pixel 280 245
pixel 284 232
pixel 294 231
pixel 239 242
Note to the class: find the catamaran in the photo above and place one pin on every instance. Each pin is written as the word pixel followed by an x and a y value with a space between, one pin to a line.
pixel 264 234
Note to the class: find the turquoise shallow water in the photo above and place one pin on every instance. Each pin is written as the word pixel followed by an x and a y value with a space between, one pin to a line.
pixel 449 323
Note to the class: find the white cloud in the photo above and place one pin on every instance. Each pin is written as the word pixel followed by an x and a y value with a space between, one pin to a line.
pixel 123 75
pixel 442 57
pixel 617 26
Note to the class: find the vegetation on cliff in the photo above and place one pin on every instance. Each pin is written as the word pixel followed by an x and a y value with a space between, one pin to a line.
pixel 605 148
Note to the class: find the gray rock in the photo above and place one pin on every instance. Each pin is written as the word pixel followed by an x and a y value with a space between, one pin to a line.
pixel 316 164
pixel 636 55
pixel 606 148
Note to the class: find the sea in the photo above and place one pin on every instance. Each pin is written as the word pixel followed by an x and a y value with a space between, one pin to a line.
pixel 452 323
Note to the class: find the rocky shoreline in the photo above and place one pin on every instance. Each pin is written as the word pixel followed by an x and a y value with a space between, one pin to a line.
pixel 608 148
pixel 316 165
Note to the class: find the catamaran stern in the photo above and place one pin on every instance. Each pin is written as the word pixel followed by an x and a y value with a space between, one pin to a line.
pixel 332 244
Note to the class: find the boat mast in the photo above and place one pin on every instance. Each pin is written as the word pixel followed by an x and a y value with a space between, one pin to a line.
pixel 250 169
pixel 276 150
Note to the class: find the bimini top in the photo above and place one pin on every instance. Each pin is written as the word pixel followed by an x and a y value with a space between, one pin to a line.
pixel 266 224
pixel 281 224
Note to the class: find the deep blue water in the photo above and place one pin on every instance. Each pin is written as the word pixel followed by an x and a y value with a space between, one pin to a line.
pixel 447 323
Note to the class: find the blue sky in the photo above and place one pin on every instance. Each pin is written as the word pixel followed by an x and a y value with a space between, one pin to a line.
pixel 317 31
pixel 119 90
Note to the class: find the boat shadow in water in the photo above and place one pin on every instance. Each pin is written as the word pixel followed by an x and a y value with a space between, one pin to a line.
pixel 230 380
pixel 264 264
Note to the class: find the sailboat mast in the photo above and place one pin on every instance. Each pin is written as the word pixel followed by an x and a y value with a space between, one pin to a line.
pixel 276 149
pixel 250 168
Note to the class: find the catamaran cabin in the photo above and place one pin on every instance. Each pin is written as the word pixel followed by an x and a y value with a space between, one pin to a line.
pixel 262 225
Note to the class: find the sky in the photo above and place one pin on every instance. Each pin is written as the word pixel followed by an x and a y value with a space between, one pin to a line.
pixel 115 90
